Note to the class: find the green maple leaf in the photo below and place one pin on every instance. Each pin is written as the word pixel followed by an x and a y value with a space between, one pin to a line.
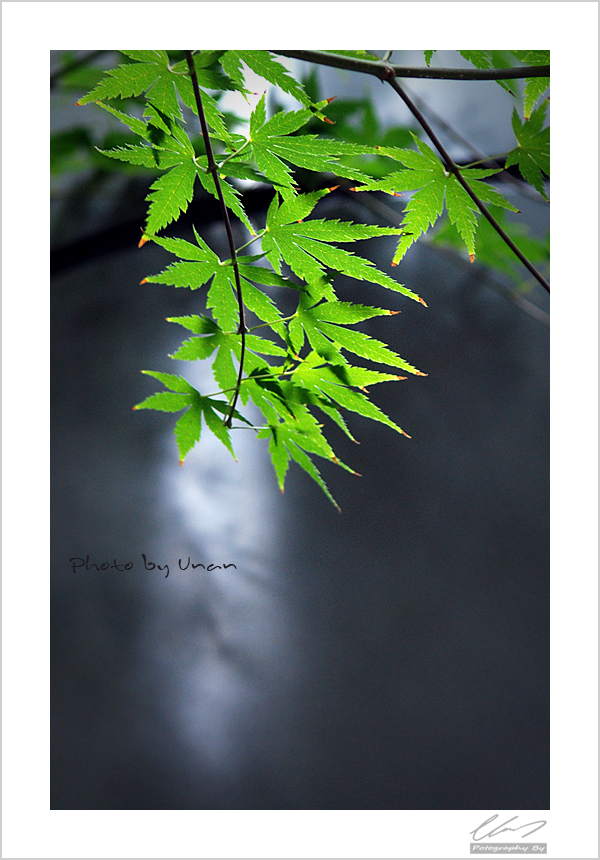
pixel 144 156
pixel 483 60
pixel 284 445
pixel 150 75
pixel 128 80
pixel 274 145
pixel 307 393
pixel 166 146
pixel 170 195
pixel 306 245
pixel 163 134
pixel 169 146
pixel 189 426
pixel 435 187
pixel 534 87
pixel 224 371
pixel 208 72
pixel 533 153
pixel 138 126
pixel 203 347
pixel 160 82
pixel 534 90
pixel 264 65
pixel 337 384
pixel 169 136
pixel 228 345
pixel 197 266
pixel 296 436
pixel 258 302
pixel 480 59
pixel 325 327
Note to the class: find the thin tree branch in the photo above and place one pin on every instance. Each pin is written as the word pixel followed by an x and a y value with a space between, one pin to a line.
pixel 389 73
pixel 523 187
pixel 212 166
pixel 390 215
pixel 381 70
pixel 453 168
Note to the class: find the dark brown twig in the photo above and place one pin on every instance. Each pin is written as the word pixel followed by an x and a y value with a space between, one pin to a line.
pixel 390 73
pixel 490 161
pixel 453 168
pixel 377 68
pixel 212 166
pixel 390 215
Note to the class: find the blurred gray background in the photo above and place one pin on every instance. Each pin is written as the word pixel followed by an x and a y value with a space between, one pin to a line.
pixel 391 657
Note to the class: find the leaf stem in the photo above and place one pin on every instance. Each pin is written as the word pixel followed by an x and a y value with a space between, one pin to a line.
pixel 251 242
pixel 487 160
pixel 280 320
pixel 233 154
pixel 254 378
pixel 212 166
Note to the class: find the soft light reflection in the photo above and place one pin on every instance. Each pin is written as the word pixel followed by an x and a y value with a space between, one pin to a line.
pixel 222 637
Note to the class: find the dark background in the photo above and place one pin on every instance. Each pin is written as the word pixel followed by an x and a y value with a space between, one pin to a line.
pixel 392 657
